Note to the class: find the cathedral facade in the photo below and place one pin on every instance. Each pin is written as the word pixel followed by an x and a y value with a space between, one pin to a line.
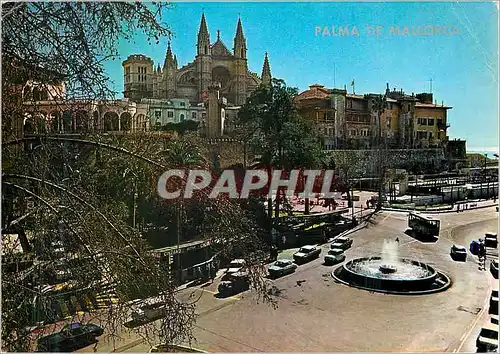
pixel 214 64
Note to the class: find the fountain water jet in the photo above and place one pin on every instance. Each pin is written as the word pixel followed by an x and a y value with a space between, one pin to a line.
pixel 391 274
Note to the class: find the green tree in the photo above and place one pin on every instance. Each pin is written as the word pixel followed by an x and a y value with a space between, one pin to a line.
pixel 282 138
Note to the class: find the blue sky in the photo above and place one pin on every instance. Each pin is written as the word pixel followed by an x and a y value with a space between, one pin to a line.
pixel 463 65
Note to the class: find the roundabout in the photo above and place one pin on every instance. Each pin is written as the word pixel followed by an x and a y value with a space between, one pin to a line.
pixel 400 277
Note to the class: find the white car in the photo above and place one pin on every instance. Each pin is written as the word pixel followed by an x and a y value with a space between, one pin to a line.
pixel 458 252
pixel 282 267
pixel 235 266
pixel 342 242
pixel 148 310
pixel 306 254
pixel 335 255
pixel 487 341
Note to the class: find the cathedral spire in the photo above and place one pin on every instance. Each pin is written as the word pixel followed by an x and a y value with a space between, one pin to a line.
pixel 203 26
pixel 203 37
pixel 169 59
pixel 266 72
pixel 240 45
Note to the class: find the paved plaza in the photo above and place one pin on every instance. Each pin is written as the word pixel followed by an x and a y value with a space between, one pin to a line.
pixel 317 314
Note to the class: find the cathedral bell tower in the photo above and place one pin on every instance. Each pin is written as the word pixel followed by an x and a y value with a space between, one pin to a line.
pixel 203 60
pixel 240 64
pixel 169 74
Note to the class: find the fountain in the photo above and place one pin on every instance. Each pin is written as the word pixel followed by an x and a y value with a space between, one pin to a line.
pixel 391 274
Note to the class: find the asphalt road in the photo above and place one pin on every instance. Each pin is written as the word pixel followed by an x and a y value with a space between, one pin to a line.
pixel 317 314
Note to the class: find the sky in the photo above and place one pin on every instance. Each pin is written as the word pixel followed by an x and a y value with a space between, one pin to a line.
pixel 463 64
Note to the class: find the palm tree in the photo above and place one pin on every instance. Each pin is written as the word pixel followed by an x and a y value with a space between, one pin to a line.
pixel 182 153
pixel 379 104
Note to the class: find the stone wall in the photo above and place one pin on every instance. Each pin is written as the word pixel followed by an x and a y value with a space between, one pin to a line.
pixel 366 163
pixel 229 151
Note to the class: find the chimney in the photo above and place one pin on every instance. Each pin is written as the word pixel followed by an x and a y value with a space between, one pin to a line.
pixel 442 103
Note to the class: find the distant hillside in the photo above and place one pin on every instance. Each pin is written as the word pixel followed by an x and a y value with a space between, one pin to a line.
pixel 471 160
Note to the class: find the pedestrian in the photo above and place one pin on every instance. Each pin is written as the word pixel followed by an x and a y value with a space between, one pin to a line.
pixel 482 254
pixel 397 240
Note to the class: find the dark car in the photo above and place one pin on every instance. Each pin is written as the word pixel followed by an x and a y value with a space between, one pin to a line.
pixel 235 283
pixel 281 267
pixel 494 268
pixel 306 254
pixel 493 310
pixel 458 252
pixel 491 240
pixel 72 336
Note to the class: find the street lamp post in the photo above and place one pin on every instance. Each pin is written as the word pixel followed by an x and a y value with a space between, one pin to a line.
pixel 484 178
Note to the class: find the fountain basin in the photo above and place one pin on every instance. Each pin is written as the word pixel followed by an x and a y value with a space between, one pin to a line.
pixel 402 277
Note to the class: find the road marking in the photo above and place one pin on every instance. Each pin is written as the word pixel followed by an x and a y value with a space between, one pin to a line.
pixel 234 297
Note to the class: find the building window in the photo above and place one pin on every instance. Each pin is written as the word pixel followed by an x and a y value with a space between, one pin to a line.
pixel 439 121
pixel 182 104
pixel 193 115
pixel 430 121
pixel 182 117
pixel 170 114
pixel 158 114
pixel 203 115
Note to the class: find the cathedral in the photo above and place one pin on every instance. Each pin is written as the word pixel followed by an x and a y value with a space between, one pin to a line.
pixel 214 65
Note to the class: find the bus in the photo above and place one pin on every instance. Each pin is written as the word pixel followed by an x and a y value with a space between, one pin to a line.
pixel 423 225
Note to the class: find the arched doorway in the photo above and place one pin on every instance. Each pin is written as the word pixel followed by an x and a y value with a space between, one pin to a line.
pixel 36 94
pixel 28 124
pixel 55 124
pixel 140 123
pixel 40 123
pixel 27 93
pixel 81 121
pixel 110 121
pixel 96 126
pixel 66 122
pixel 126 121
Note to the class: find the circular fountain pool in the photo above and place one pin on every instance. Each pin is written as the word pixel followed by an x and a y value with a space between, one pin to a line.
pixel 390 274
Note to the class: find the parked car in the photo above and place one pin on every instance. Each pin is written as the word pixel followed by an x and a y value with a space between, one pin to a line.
pixel 306 254
pixel 458 252
pixel 487 341
pixel 493 310
pixel 494 268
pixel 335 255
pixel 342 243
pixel 148 310
pixel 235 266
pixel 490 239
pixel 70 338
pixel 282 267
pixel 235 283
